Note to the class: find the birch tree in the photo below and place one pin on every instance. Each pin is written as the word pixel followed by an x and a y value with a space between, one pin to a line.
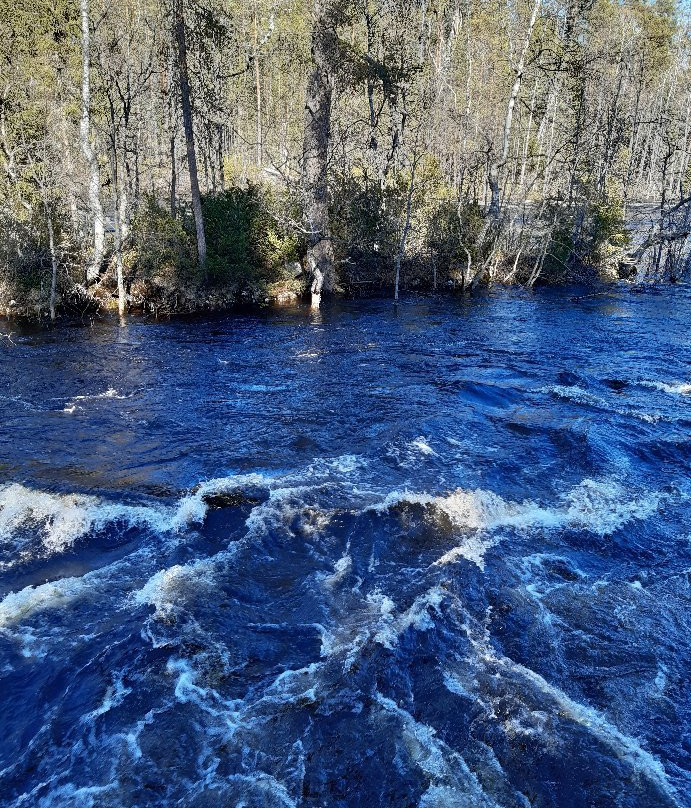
pixel 94 178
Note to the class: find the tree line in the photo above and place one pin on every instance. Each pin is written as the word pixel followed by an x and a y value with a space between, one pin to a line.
pixel 185 153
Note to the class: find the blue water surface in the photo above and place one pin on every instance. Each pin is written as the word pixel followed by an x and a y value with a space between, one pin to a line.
pixel 438 557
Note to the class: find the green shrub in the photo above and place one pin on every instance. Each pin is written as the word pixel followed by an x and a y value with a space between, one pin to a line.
pixel 587 240
pixel 25 262
pixel 161 244
pixel 245 244
pixel 452 229
pixel 608 232
pixel 365 219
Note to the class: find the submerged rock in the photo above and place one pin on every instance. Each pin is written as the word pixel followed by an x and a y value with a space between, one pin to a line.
pixel 230 499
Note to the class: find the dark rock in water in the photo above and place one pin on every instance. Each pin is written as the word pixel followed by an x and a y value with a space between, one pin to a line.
pixel 231 499
pixel 302 442
pixel 563 568
pixel 162 491
pixel 569 379
pixel 616 384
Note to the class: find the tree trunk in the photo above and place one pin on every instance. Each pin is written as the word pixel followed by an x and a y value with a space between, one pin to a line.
pixel 180 38
pixel 320 258
pixel 406 228
pixel 118 217
pixel 219 158
pixel 173 178
pixel 122 298
pixel 526 143
pixel 497 165
pixel 94 269
pixel 53 264
pixel 258 92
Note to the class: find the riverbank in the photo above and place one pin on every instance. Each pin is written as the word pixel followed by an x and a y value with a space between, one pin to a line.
pixel 570 294
pixel 253 264
pixel 195 303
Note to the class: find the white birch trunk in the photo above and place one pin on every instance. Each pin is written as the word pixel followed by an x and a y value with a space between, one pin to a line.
pixel 94 267
pixel 497 165
pixel 53 265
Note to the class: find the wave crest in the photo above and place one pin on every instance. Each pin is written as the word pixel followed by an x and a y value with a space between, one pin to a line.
pixel 60 520
pixel 598 506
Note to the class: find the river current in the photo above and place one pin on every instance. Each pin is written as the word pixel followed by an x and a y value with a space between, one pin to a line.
pixel 350 558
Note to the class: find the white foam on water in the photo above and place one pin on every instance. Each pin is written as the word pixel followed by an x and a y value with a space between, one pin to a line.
pixel 377 621
pixel 472 549
pixel 539 580
pixel 72 796
pixel 162 590
pixel 17 606
pixel 282 508
pixel 292 686
pixel 348 463
pixel 417 616
pixel 675 388
pixel 454 685
pixel 423 447
pixel 55 521
pixel 114 696
pixel 580 396
pixel 598 506
pixel 660 680
pixel 625 747
pixel 111 392
pixel 445 797
pixel 64 518
pixel 343 465
pixel 603 506
pixel 71 406
pixel 192 508
pixel 572 392
pixel 224 717
pixel 349 637
pixel 500 667
pixel 412 453
pixel 472 509
pixel 270 791
pixel 532 723
pixel 165 589
pixel 61 519
pixel 449 775
pixel 341 568
pixel 206 698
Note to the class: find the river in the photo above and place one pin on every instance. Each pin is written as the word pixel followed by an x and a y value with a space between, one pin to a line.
pixel 350 558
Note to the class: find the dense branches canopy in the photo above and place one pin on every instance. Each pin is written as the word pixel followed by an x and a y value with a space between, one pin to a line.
pixel 472 141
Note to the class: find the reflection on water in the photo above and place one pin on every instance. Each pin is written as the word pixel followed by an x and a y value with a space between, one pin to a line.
pixel 350 558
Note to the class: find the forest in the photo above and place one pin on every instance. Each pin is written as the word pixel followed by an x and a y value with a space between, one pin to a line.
pixel 189 155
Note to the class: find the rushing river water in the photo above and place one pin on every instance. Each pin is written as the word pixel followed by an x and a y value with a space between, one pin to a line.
pixel 350 558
